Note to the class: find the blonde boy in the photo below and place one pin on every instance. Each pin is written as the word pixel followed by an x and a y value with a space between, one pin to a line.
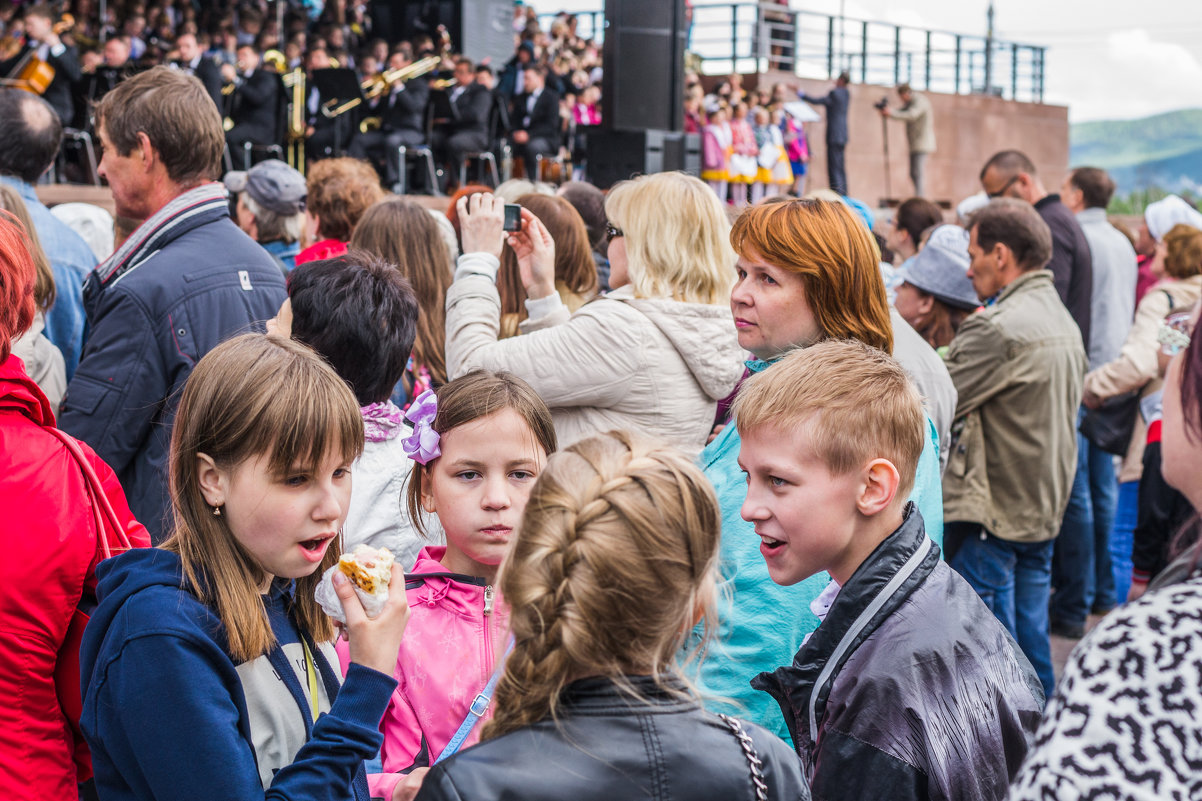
pixel 909 688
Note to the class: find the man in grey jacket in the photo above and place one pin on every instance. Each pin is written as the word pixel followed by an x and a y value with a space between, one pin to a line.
pixel 915 112
pixel 1081 568
pixel 1019 367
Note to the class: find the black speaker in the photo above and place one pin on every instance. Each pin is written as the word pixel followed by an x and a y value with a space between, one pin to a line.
pixel 643 82
pixel 479 29
pixel 618 155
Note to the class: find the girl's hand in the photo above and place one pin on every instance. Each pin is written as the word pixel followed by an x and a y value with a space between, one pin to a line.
pixel 375 643
pixel 406 789
pixel 481 223
pixel 535 250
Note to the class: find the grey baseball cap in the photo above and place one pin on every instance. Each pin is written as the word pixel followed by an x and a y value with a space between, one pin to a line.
pixel 273 185
pixel 941 268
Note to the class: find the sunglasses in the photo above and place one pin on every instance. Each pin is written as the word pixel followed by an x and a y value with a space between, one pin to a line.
pixel 612 233
pixel 1174 333
pixel 1006 186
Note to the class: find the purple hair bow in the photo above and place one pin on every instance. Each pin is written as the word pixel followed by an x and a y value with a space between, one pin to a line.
pixel 422 445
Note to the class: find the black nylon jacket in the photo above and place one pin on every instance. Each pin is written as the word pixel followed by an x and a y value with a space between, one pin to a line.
pixel 607 746
pixel 910 688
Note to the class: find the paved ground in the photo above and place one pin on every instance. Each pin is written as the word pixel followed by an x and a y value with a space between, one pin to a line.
pixel 1062 646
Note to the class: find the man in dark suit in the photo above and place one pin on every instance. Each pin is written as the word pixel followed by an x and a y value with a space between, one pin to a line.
pixel 41 41
pixel 323 137
pixel 536 113
pixel 401 109
pixel 836 102
pixel 256 106
pixel 471 105
pixel 192 61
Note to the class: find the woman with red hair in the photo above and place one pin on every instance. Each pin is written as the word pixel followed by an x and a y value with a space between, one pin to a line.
pixel 52 545
pixel 808 270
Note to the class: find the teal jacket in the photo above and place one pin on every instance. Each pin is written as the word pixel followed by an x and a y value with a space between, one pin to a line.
pixel 761 624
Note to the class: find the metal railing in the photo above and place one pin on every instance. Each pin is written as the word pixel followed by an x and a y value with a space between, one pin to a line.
pixel 747 37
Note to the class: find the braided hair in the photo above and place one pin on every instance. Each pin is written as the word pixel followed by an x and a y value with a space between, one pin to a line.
pixel 613 562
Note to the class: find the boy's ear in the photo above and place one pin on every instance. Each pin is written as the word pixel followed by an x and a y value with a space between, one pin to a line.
pixel 212 480
pixel 881 482
pixel 426 495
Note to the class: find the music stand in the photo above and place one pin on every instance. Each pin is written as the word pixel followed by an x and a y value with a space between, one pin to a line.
pixel 341 86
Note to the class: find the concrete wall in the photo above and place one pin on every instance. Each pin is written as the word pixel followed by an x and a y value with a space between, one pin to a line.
pixel 968 130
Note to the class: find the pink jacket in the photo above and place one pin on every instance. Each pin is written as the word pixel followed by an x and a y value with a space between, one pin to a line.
pixel 457 629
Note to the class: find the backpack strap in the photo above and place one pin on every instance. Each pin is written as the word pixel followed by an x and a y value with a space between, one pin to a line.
pixel 477 709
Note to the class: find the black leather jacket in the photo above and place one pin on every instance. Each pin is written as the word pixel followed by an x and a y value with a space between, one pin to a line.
pixel 608 746
pixel 910 688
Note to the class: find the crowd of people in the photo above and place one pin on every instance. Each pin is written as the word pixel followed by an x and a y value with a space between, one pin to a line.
pixel 316 79
pixel 678 497
pixel 757 139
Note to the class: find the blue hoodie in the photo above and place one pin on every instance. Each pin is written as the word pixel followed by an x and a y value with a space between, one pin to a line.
pixel 168 714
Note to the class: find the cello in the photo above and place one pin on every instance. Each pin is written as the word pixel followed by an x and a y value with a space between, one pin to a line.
pixel 33 74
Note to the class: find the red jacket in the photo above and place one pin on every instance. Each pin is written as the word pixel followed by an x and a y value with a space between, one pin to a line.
pixel 50 555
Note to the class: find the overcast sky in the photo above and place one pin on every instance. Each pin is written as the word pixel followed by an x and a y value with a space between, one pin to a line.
pixel 1107 59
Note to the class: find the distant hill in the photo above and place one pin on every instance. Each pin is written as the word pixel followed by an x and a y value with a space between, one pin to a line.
pixel 1164 150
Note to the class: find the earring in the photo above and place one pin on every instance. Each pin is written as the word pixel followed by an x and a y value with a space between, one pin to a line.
pixel 216 511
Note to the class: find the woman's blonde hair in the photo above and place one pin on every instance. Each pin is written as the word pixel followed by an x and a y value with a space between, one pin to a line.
pixel 251 396
pixel 43 289
pixel 615 556
pixel 676 237
pixel 405 234
pixel 836 257
pixel 472 396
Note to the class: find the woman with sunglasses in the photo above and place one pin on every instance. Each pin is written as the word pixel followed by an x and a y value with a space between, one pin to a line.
pixel 653 355
pixel 1124 721
pixel 1137 369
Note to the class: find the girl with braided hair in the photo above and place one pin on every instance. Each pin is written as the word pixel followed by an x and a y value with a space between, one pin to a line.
pixel 479 441
pixel 614 563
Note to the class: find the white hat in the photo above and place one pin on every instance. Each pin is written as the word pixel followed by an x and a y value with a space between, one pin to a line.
pixel 92 223
pixel 1162 215
pixel 971 203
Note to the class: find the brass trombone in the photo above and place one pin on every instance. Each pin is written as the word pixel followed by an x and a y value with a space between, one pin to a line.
pixel 378 85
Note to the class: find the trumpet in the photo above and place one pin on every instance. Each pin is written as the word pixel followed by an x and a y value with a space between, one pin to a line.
pixel 378 85
pixel 442 83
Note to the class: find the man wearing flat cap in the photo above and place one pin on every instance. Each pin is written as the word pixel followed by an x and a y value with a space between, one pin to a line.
pixel 271 208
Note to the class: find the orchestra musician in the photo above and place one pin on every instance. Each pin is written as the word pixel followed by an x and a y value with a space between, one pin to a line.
pixel 467 130
pixel 321 132
pixel 193 62
pixel 42 41
pixel 536 113
pixel 256 102
pixel 115 68
pixel 402 115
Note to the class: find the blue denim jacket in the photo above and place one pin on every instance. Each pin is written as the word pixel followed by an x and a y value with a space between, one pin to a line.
pixel 762 624
pixel 70 260
pixel 284 252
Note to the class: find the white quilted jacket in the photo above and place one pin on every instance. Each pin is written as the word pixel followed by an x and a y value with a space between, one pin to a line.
pixel 655 366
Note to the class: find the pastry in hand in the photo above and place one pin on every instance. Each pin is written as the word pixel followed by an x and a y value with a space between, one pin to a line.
pixel 368 568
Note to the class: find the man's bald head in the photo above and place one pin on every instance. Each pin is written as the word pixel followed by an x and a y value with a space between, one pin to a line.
pixel 32 134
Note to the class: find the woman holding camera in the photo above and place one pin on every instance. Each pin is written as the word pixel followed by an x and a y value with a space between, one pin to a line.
pixel 654 355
